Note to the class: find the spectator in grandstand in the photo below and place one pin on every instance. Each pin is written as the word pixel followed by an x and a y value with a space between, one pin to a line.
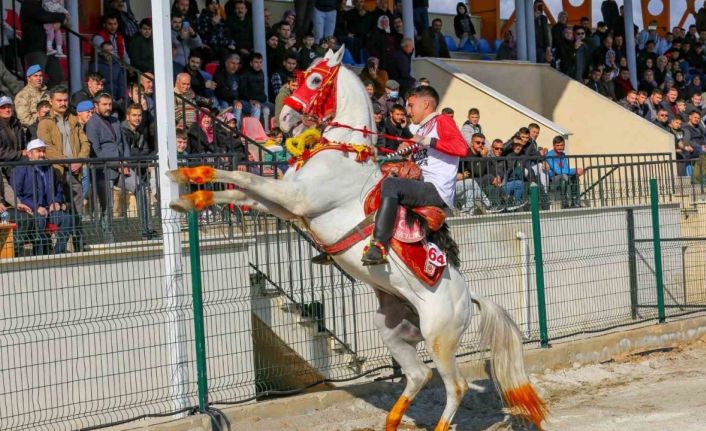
pixel 27 99
pixel 420 9
pixel 401 66
pixel 289 87
pixel 285 71
pixel 694 135
pixel 127 23
pixel 43 110
pixel 39 193
pixel 669 102
pixel 564 178
pixel 472 172
pixel 34 41
pixel 648 82
pixel 514 184
pixel 463 26
pixel 285 45
pixel 228 89
pixel 696 102
pixel 9 84
pixel 214 32
pixel 184 39
pixel 683 152
pixel 199 84
pixel 381 42
pixel 107 141
pixel 65 139
pixel 629 102
pixel 379 120
pixel 188 9
pixel 95 83
pixel 202 135
pixel 594 81
pixel 643 109
pixel 239 23
pixel 139 48
pixel 381 8
pixel 252 85
pixel 472 125
pixel 449 112
pixel 378 76
pixel 566 52
pixel 307 53
pixel 622 84
pixel 358 23
pixel 541 30
pixel 182 142
pixel 110 34
pixel 508 48
pixel 433 42
pixel 695 86
pixel 395 124
pixel 185 109
pixel 607 87
pixel 557 31
pixel 109 66
pixel 391 97
pixel 324 18
pixel 662 119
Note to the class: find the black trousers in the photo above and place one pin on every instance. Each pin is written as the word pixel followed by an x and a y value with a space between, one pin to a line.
pixel 411 193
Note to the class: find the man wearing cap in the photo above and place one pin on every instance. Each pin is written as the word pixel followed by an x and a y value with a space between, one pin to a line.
pixel 65 139
pixel 391 96
pixel 39 194
pixel 12 143
pixel 27 99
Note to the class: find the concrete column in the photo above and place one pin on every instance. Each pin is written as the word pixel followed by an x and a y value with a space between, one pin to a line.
pixel 75 80
pixel 408 19
pixel 174 290
pixel 630 41
pixel 258 32
pixel 521 29
pixel 531 37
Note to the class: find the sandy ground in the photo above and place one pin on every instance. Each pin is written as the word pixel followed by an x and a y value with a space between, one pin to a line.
pixel 661 390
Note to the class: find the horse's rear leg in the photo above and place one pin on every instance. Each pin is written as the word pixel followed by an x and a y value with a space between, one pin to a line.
pixel 202 199
pixel 442 326
pixel 395 323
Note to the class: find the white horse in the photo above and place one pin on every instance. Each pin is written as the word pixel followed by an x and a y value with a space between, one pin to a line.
pixel 326 195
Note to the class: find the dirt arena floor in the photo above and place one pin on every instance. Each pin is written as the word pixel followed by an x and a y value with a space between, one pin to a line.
pixel 651 391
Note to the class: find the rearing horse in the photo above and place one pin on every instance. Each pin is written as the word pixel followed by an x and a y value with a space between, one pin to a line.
pixel 325 193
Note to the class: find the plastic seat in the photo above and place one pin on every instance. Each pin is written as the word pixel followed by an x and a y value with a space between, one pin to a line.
pixel 451 43
pixel 498 42
pixel 349 60
pixel 469 47
pixel 484 47
pixel 210 68
pixel 252 129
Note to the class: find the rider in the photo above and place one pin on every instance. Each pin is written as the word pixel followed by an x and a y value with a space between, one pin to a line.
pixel 440 146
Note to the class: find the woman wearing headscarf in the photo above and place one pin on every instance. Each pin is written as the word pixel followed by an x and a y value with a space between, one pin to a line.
pixel 382 42
pixel 202 137
pixel 373 73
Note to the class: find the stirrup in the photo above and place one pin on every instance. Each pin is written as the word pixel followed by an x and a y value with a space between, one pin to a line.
pixel 322 259
pixel 374 253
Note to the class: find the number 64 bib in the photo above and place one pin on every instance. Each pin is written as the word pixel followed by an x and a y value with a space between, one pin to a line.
pixel 436 258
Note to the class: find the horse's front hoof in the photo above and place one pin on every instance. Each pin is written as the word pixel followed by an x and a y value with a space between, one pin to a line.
pixel 196 175
pixel 199 199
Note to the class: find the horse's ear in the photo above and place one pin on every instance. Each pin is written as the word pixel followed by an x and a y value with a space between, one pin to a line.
pixel 328 55
pixel 336 58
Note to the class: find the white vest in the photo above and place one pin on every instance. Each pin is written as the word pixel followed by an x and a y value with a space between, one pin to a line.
pixel 437 168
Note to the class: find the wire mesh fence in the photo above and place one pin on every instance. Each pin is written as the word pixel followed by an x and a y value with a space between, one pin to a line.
pixel 107 334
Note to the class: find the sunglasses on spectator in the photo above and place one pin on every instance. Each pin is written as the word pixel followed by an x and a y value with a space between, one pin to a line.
pixel 580 34
pixel 497 148
pixel 479 142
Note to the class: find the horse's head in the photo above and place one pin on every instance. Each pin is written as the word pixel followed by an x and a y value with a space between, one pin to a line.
pixel 316 95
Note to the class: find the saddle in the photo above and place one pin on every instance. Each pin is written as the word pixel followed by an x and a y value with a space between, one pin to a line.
pixel 409 241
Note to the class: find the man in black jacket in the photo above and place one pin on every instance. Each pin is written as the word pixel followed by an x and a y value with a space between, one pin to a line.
pixel 13 141
pixel 401 66
pixel 240 25
pixel 140 50
pixel 253 90
pixel 94 86
pixel 472 172
pixel 394 125
pixel 34 39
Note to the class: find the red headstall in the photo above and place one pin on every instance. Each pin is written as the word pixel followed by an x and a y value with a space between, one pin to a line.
pixel 316 95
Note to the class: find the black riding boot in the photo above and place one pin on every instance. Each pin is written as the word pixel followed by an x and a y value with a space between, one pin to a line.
pixel 376 251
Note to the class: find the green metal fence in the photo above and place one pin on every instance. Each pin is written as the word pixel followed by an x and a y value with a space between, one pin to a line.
pixel 93 338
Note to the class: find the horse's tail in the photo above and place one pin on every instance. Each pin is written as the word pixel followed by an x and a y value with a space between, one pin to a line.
pixel 501 335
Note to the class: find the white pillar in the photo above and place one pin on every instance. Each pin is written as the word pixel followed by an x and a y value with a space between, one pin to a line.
pixel 75 81
pixel 166 148
pixel 630 41
pixel 521 30
pixel 531 36
pixel 408 19
pixel 258 33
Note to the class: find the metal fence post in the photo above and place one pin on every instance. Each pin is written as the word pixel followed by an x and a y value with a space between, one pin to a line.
pixel 539 265
pixel 197 299
pixel 657 244
pixel 632 262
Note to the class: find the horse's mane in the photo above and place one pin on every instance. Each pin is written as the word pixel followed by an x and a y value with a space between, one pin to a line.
pixel 442 238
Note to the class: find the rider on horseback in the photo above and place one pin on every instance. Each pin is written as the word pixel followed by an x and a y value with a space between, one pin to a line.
pixel 440 145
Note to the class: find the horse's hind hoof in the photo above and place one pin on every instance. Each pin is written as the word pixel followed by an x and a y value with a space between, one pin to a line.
pixel 196 175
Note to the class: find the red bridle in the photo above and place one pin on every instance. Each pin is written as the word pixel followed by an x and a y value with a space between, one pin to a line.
pixel 316 95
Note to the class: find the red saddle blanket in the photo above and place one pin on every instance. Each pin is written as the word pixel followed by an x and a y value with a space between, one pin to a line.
pixel 408 241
